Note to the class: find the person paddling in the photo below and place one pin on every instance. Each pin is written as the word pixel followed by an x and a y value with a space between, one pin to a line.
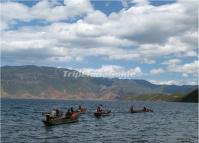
pixel 80 107
pixel 71 110
pixel 131 109
pixel 53 113
pixel 100 107
pixel 68 113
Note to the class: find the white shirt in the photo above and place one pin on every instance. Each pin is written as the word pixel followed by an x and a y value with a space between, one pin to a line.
pixel 53 113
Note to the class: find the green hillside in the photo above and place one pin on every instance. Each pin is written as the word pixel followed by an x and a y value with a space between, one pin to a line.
pixel 155 97
pixel 191 97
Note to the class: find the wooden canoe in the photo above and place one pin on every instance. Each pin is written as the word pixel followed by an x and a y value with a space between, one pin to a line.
pixel 82 110
pixel 141 111
pixel 104 113
pixel 61 120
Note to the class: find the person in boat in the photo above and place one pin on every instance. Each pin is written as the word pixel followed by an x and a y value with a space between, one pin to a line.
pixel 48 118
pixel 53 113
pixel 71 110
pixel 131 109
pixel 57 112
pixel 68 113
pixel 98 109
pixel 101 108
pixel 81 109
pixel 144 109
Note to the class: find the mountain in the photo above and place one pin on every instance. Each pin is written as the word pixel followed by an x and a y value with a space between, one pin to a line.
pixel 191 97
pixel 50 83
pixel 156 97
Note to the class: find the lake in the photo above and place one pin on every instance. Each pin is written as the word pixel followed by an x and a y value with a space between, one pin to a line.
pixel 170 123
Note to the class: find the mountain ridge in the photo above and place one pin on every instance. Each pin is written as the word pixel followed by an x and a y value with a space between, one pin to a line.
pixel 41 82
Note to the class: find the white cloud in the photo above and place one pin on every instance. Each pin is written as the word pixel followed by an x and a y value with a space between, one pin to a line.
pixel 188 68
pixel 11 11
pixel 156 71
pixel 166 82
pixel 143 32
pixel 140 2
pixel 96 17
pixel 112 71
pixel 44 9
pixel 172 62
pixel 174 82
pixel 191 68
pixel 53 12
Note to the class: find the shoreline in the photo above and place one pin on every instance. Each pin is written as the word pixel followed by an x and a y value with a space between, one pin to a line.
pixel 114 100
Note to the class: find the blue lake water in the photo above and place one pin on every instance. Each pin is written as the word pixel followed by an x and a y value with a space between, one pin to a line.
pixel 170 123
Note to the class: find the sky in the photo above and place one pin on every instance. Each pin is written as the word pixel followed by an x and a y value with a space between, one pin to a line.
pixel 135 39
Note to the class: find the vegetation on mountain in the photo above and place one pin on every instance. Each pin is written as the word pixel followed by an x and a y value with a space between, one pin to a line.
pixel 191 97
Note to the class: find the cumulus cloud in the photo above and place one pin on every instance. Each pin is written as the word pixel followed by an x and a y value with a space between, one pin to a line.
pixel 54 12
pixel 44 10
pixel 174 82
pixel 166 82
pixel 187 68
pixel 172 62
pixel 140 2
pixel 148 31
pixel 96 17
pixel 11 11
pixel 143 33
pixel 157 71
pixel 112 71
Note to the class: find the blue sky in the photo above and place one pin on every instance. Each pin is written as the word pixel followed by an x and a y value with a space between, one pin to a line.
pixel 152 40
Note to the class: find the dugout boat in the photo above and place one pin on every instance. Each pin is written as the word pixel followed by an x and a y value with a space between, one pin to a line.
pixel 49 121
pixel 103 113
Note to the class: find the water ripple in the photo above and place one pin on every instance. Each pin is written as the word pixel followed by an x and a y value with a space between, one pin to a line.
pixel 170 123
